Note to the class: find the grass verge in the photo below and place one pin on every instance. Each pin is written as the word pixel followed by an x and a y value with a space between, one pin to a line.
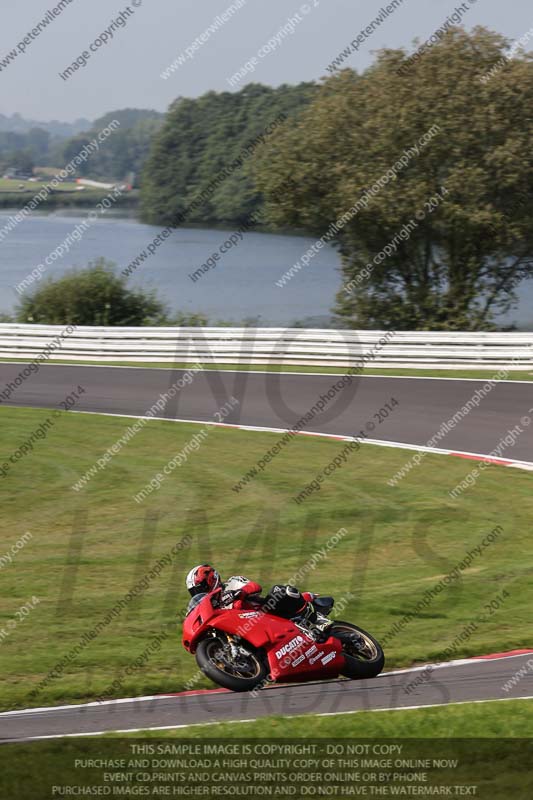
pixel 480 763
pixel 88 548
pixel 513 718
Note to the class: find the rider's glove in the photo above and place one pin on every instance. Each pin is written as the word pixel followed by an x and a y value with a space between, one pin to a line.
pixel 249 589
pixel 228 597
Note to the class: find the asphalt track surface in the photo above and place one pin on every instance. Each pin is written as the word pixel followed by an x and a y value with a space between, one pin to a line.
pixel 456 682
pixel 279 400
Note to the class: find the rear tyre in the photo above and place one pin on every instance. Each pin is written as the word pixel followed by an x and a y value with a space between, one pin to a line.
pixel 240 673
pixel 363 654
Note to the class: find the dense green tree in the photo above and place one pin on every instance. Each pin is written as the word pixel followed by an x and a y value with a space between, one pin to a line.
pixel 22 161
pixel 458 265
pixel 91 296
pixel 199 139
pixel 34 144
pixel 71 148
pixel 10 142
pixel 128 118
pixel 187 320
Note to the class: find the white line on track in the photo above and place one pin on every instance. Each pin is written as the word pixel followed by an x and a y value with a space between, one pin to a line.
pixel 151 697
pixel 283 372
pixel 506 462
pixel 257 719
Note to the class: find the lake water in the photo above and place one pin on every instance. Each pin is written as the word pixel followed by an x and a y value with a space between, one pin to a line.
pixel 242 284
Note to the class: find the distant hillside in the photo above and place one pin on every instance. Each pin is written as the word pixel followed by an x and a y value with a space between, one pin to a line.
pixel 124 151
pixel 18 124
pixel 25 144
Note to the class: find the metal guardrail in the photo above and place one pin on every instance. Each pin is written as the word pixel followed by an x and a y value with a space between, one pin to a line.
pixel 262 346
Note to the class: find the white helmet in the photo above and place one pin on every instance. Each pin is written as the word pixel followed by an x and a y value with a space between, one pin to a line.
pixel 203 578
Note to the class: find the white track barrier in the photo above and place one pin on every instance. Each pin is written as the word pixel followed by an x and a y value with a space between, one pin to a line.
pixel 263 346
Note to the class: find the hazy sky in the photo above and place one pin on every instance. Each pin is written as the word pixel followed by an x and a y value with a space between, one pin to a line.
pixel 127 71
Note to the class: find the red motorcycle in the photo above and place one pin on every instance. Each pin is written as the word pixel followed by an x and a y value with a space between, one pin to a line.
pixel 241 649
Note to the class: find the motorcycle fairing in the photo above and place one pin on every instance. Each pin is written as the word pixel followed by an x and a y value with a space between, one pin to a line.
pixel 290 651
pixel 301 656
pixel 261 630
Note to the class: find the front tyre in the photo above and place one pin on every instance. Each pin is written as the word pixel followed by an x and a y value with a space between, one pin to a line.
pixel 232 666
pixel 363 654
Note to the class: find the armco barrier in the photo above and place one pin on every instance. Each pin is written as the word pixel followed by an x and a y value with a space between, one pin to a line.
pixel 261 346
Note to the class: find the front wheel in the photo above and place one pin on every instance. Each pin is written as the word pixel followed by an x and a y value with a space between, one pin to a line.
pixel 230 665
pixel 363 654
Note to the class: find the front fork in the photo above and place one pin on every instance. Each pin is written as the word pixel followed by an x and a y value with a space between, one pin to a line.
pixel 236 649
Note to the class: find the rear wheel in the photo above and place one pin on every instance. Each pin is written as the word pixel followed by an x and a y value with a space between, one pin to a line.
pixel 363 654
pixel 231 665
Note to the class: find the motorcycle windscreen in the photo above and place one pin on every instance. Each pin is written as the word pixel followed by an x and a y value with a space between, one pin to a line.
pixel 196 600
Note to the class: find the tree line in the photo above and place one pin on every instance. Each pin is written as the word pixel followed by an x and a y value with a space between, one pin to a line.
pixel 420 174
pixel 445 242
pixel 122 153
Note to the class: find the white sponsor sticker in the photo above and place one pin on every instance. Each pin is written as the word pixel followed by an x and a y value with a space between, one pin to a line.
pixel 312 660
pixel 290 646
pixel 329 658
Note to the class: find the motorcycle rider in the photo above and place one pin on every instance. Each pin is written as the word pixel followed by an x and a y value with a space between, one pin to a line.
pixel 238 592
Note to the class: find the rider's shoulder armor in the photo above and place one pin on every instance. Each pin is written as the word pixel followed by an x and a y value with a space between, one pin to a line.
pixel 235 583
